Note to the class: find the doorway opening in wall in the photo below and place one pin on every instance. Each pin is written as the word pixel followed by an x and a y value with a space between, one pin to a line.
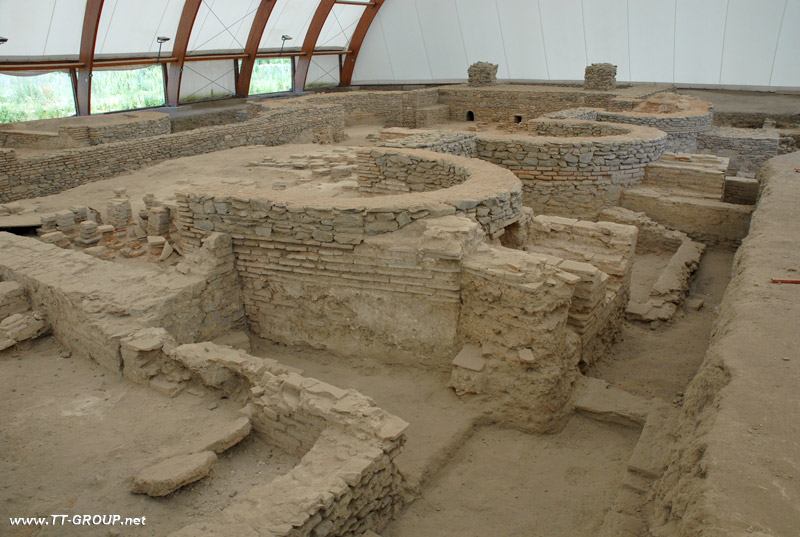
pixel 470 115
pixel 517 119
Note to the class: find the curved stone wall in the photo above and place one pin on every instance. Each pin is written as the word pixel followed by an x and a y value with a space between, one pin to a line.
pixel 682 127
pixel 355 275
pixel 574 175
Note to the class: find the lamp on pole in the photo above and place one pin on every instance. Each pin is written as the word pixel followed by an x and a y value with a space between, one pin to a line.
pixel 3 40
pixel 161 40
pixel 284 39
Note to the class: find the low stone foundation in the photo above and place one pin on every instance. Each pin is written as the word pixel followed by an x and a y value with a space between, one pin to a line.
pixel 747 149
pixel 27 177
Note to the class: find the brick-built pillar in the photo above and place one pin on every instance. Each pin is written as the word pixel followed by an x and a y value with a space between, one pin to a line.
pixel 482 74
pixel 600 76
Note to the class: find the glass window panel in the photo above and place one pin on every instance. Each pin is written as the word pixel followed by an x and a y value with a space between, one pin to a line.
pixel 271 75
pixel 26 98
pixel 127 89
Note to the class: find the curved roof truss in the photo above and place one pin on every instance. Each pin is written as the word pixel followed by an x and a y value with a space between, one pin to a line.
pixel 81 69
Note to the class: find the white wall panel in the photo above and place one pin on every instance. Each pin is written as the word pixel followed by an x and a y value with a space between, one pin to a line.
pixel 750 38
pixel 131 26
pixel 52 28
pixel 700 26
pixel 652 33
pixel 323 70
pixel 483 36
pixel 374 62
pixel 443 42
pixel 521 27
pixel 289 17
pixel 222 25
pixel 204 80
pixel 405 41
pixel 563 37
pixel 786 68
pixel 339 26
pixel 606 24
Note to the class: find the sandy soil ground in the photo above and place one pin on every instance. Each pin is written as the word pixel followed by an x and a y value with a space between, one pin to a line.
pixel 660 362
pixel 488 481
pixel 73 435
pixel 748 101
pixel 507 483
pixel 646 270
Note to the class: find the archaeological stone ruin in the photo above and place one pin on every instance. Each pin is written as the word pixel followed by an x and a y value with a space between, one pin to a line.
pixel 489 306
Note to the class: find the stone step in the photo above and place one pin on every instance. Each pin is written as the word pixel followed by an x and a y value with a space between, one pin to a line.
pixel 649 457
pixel 599 400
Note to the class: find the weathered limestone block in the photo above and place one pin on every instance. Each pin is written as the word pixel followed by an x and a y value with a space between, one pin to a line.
pixel 119 213
pixel 171 474
pixel 12 299
pixel 88 235
pixel 23 326
pixel 158 221
pixel 56 237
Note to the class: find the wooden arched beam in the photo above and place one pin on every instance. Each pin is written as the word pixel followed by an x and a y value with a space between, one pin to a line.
pixel 179 47
pixel 346 76
pixel 251 47
pixel 83 88
pixel 309 44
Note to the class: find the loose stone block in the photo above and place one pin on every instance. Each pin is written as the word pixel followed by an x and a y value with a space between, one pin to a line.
pixel 171 474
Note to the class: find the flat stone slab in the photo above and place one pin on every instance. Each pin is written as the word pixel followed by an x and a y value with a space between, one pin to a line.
pixel 470 357
pixel 171 474
pixel 227 436
pixel 20 220
pixel 650 454
pixel 601 401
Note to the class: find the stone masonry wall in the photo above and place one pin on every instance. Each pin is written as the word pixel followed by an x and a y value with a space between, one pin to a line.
pixel 700 174
pixel 25 177
pixel 482 74
pixel 602 255
pixel 91 304
pixel 682 130
pixel 346 482
pixel 501 103
pixel 748 149
pixel 391 108
pixel 600 76
pixel 574 176
pixel 450 142
pixel 331 275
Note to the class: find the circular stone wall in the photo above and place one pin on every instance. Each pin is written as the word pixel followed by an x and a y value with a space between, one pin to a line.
pixel 681 117
pixel 574 175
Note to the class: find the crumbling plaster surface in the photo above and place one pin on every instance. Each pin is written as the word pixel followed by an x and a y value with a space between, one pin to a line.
pixel 732 472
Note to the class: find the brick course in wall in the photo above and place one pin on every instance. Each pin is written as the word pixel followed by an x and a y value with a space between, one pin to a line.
pixel 294 247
